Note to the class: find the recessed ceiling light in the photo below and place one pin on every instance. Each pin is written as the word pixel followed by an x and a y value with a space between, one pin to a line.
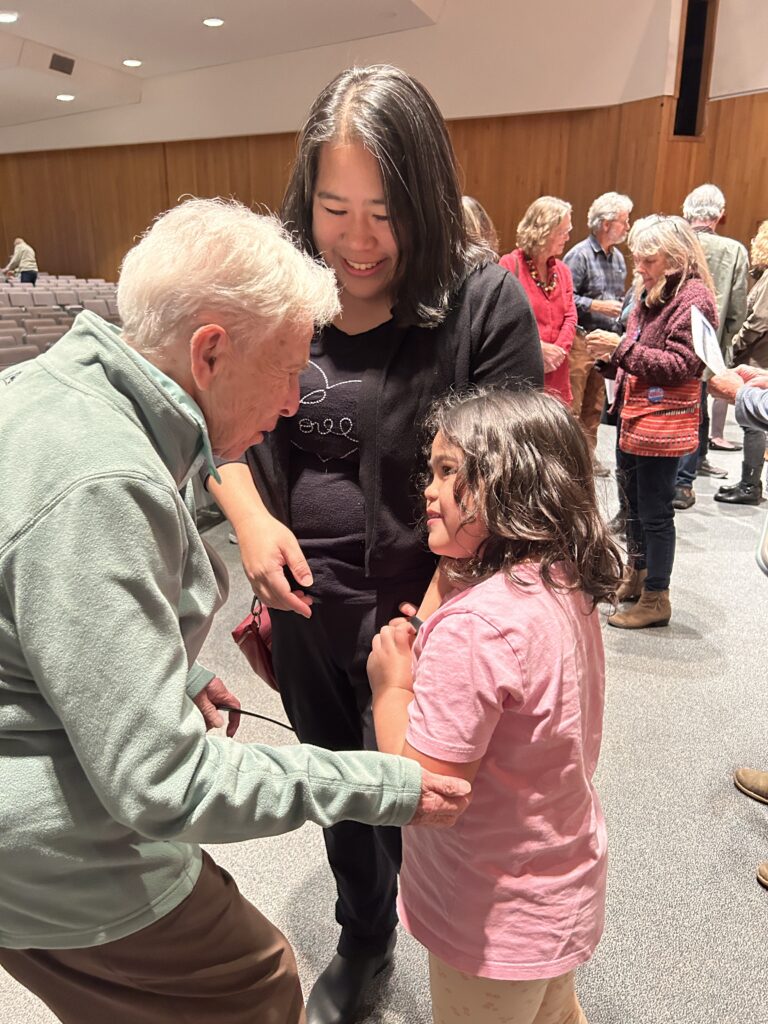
pixel 8 17
pixel 213 22
pixel 65 97
pixel 132 63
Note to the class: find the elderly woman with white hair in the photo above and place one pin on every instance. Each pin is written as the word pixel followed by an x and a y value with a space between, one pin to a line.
pixel 541 238
pixel 109 909
pixel 657 374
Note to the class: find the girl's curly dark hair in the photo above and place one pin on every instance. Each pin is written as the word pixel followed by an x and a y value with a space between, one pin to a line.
pixel 527 473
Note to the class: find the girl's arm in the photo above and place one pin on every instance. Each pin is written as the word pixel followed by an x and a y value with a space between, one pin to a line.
pixel 391 678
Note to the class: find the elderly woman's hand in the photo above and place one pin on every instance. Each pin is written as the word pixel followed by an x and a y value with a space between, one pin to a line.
pixel 443 799
pixel 602 344
pixel 552 355
pixel 267 548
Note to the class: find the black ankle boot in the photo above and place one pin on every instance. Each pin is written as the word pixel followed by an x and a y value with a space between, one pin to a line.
pixel 748 491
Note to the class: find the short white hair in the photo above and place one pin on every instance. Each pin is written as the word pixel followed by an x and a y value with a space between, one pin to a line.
pixel 608 206
pixel 705 203
pixel 217 256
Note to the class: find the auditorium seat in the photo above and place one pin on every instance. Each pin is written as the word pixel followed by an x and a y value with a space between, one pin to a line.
pixel 40 297
pixel 11 356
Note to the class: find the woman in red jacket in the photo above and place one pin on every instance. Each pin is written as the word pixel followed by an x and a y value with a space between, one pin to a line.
pixel 657 375
pixel 541 238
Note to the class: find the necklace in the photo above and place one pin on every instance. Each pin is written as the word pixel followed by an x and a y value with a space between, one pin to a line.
pixel 550 284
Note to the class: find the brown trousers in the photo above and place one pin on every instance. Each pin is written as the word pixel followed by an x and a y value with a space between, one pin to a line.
pixel 213 960
pixel 587 388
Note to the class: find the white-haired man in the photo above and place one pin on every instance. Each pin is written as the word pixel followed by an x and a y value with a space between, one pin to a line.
pixel 728 264
pixel 108 908
pixel 24 261
pixel 599 274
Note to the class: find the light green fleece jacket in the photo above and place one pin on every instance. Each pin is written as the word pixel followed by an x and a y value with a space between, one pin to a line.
pixel 107 777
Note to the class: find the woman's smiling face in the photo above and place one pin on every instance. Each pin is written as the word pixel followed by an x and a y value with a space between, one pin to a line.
pixel 350 222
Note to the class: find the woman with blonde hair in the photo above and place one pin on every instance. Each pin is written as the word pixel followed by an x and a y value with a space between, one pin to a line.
pixel 541 238
pixel 659 393
pixel 750 346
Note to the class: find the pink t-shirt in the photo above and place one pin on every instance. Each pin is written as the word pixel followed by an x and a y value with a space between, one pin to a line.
pixel 513 675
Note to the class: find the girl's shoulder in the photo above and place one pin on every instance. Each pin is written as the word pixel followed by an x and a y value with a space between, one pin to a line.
pixel 518 606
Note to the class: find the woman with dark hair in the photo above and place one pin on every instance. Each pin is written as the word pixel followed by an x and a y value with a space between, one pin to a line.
pixel 541 238
pixel 659 393
pixel 325 510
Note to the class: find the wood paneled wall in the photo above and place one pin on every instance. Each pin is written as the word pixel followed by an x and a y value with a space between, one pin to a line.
pixel 82 209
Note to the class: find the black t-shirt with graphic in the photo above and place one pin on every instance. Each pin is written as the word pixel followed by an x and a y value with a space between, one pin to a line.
pixel 327 503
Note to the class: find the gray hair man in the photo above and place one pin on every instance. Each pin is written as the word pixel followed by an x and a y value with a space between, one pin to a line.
pixel 24 261
pixel 599 274
pixel 728 264
pixel 108 907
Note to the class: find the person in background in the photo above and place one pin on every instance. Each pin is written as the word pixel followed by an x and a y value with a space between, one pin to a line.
pixel 599 274
pixel 505 687
pixel 330 495
pixel 657 380
pixel 541 238
pixel 24 261
pixel 746 388
pixel 109 909
pixel 750 346
pixel 479 224
pixel 704 208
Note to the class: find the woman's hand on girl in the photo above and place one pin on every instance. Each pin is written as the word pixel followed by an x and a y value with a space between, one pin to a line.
pixel 389 663
pixel 266 550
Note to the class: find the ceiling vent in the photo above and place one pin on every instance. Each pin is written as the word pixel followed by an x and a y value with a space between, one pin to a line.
pixel 65 65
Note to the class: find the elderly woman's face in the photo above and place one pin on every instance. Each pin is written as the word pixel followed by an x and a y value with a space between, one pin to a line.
pixel 556 241
pixel 651 268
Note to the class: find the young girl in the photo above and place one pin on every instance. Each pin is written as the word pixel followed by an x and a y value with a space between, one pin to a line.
pixel 504 687
pixel 374 193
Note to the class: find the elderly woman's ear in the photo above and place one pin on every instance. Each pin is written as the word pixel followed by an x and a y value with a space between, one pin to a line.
pixel 209 346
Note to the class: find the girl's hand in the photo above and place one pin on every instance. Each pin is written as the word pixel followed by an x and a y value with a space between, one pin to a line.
pixel 552 355
pixel 266 548
pixel 389 663
pixel 602 344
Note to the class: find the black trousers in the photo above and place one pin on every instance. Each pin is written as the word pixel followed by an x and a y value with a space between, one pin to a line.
pixel 320 666
pixel 28 277
pixel 650 488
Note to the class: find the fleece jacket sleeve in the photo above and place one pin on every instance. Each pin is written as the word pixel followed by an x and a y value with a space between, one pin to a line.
pixel 97 588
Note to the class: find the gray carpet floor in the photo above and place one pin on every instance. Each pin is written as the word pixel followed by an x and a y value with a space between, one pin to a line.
pixel 687 925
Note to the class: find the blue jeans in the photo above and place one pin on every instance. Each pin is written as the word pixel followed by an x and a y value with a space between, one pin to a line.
pixel 687 470
pixel 649 482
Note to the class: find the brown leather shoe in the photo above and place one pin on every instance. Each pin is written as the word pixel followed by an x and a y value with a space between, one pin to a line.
pixel 653 609
pixel 632 584
pixel 762 874
pixel 753 783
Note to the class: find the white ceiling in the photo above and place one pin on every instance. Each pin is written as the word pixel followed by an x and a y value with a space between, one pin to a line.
pixel 169 37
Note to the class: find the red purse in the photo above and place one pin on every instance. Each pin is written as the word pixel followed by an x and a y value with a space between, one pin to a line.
pixel 254 638
pixel 657 420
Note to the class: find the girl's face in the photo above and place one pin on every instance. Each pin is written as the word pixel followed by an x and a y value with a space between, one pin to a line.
pixel 650 268
pixel 350 223
pixel 447 534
